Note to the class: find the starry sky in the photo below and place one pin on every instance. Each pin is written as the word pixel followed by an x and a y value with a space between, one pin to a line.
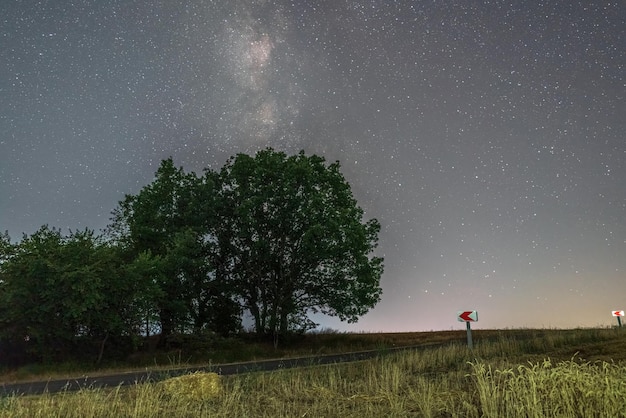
pixel 487 137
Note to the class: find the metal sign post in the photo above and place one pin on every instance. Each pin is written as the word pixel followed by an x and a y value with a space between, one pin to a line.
pixel 619 315
pixel 467 317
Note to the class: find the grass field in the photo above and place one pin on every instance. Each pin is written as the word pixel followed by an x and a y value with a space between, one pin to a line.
pixel 510 373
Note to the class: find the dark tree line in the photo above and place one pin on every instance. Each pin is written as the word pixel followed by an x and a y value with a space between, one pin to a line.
pixel 274 237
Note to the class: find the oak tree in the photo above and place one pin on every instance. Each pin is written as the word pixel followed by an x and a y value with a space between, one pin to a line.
pixel 296 241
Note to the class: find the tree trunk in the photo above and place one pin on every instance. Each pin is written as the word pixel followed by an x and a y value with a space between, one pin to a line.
pixel 167 326
pixel 101 353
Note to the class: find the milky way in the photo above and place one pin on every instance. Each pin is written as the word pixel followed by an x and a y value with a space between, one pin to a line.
pixel 487 137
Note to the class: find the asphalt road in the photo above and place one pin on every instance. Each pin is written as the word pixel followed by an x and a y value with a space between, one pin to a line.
pixel 132 378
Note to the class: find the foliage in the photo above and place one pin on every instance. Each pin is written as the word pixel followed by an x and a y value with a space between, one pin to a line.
pixel 58 291
pixel 279 237
pixel 6 248
pixel 295 241
pixel 168 221
pixel 154 219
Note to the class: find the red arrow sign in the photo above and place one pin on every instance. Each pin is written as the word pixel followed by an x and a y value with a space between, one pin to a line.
pixel 618 313
pixel 467 316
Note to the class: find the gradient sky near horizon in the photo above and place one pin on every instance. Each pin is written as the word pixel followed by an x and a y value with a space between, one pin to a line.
pixel 486 136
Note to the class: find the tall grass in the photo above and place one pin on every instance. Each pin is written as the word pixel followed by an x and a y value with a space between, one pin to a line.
pixel 502 377
pixel 544 389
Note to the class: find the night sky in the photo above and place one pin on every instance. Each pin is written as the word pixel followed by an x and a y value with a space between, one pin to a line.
pixel 487 137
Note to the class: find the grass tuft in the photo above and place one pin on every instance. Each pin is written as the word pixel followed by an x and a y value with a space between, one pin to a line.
pixel 196 387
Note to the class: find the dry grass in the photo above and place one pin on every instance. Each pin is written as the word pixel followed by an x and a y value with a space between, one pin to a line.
pixel 235 350
pixel 539 377
pixel 566 389
pixel 196 387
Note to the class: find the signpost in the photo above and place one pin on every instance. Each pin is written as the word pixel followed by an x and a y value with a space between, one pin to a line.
pixel 467 317
pixel 619 315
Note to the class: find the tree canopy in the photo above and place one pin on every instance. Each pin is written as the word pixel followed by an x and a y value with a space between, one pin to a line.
pixel 58 291
pixel 297 243
pixel 271 236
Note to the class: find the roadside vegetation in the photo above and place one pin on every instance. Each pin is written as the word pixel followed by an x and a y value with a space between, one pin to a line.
pixel 270 238
pixel 512 373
